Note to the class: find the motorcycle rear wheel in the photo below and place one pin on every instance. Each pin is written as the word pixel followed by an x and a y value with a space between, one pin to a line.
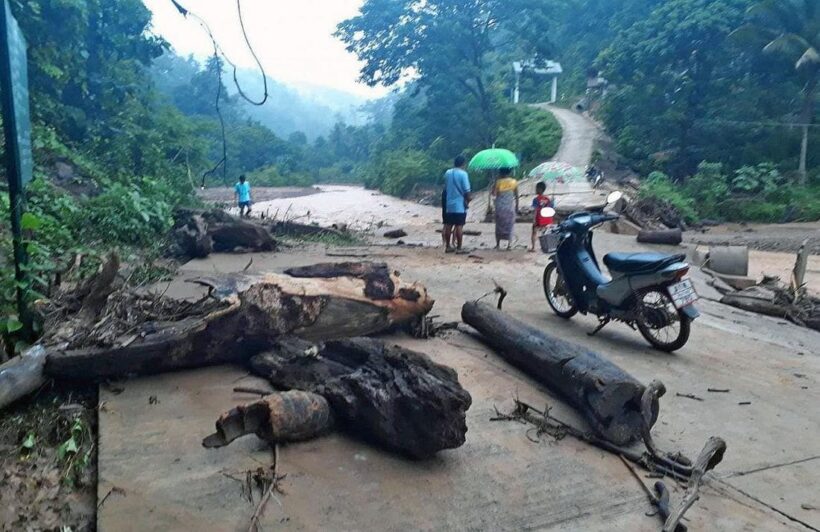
pixel 662 325
pixel 557 293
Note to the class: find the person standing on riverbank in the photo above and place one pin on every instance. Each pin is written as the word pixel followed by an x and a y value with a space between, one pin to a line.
pixel 243 196
pixel 457 200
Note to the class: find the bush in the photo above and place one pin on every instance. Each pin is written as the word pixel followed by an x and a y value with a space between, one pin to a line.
pixel 130 214
pixel 658 185
pixel 533 134
pixel 708 189
pixel 396 172
pixel 764 177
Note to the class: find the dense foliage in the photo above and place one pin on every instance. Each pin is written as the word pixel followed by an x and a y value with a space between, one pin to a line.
pixel 113 154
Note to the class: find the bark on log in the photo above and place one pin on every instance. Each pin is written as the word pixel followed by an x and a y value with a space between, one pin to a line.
pixel 22 375
pixel 671 237
pixel 242 235
pixel 198 233
pixel 608 397
pixel 276 418
pixel 391 396
pixel 258 309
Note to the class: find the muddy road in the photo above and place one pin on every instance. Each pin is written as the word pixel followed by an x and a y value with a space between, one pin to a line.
pixel 500 479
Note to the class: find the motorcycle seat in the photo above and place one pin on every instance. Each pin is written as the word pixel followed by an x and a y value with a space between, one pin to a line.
pixel 640 262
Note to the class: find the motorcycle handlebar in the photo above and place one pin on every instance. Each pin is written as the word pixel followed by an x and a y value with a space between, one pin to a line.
pixel 594 219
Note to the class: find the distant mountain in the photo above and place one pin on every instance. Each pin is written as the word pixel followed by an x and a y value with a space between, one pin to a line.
pixel 312 110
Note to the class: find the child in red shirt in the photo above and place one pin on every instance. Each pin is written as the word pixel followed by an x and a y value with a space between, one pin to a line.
pixel 541 201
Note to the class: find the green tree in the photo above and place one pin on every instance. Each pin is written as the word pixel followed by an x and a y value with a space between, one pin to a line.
pixel 449 47
pixel 791 28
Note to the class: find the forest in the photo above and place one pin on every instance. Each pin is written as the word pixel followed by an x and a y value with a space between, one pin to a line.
pixel 710 102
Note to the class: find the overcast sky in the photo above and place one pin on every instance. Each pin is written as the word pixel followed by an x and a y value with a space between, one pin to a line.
pixel 293 39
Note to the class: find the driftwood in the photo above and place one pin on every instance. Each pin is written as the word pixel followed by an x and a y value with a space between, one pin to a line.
pixel 276 418
pixel 22 375
pixel 710 456
pixel 391 396
pixel 254 311
pixel 672 237
pixel 241 235
pixel 608 397
pixel 196 234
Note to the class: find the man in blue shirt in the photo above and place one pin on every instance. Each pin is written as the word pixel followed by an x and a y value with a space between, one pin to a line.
pixel 456 200
pixel 243 196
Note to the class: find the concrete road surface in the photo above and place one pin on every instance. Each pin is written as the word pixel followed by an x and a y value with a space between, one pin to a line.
pixel 505 477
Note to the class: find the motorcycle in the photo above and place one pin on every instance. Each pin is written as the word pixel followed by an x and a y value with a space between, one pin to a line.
pixel 647 291
pixel 595 176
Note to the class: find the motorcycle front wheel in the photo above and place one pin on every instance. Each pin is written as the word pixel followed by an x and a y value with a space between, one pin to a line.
pixel 660 323
pixel 557 292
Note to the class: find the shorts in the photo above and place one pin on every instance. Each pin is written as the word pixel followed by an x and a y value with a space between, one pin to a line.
pixel 455 218
pixel 245 204
pixel 542 222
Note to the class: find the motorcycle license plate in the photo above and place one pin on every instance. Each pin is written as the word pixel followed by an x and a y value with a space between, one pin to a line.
pixel 683 293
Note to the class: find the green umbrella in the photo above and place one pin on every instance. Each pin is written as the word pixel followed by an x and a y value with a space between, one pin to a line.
pixel 557 172
pixel 494 159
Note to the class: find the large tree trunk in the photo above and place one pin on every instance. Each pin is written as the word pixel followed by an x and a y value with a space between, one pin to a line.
pixel 258 309
pixel 608 397
pixel 392 396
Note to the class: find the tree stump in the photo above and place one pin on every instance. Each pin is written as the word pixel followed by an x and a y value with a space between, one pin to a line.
pixel 391 396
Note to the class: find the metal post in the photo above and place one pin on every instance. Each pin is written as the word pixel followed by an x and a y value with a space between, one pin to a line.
pixel 517 93
pixel 554 95
pixel 17 130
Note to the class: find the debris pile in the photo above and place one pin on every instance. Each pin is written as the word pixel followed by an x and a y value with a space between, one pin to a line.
pixel 654 213
pixel 729 267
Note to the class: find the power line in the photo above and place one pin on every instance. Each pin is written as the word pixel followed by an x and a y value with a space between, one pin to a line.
pixel 223 162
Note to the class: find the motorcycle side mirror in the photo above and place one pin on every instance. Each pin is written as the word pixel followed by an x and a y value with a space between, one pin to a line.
pixel 614 196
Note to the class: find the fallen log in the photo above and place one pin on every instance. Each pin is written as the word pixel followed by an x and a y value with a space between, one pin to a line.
pixel 240 235
pixel 276 418
pixel 254 310
pixel 608 397
pixel 197 233
pixel 756 299
pixel 296 229
pixel 672 237
pixel 22 375
pixel 386 394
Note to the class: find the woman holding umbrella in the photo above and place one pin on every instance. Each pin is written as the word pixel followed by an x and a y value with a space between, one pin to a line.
pixel 505 191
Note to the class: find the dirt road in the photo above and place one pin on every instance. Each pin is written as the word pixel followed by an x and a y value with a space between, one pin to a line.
pixel 577 145
pixel 579 135
pixel 499 479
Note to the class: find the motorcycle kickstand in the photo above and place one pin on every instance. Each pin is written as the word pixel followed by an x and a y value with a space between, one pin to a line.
pixel 601 324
